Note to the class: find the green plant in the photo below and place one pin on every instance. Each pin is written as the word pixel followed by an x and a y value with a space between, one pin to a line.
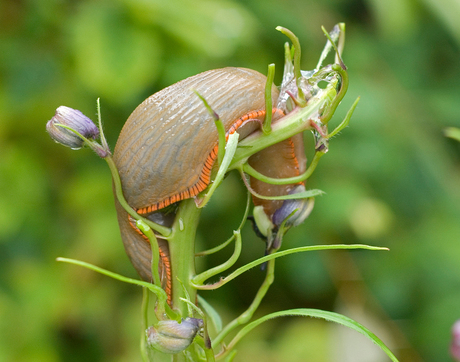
pixel 181 326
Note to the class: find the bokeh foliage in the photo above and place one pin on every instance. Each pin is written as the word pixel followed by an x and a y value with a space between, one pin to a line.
pixel 392 178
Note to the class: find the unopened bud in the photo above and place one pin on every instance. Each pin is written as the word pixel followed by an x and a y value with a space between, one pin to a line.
pixel 455 344
pixel 172 337
pixel 291 213
pixel 262 223
pixel 302 208
pixel 75 120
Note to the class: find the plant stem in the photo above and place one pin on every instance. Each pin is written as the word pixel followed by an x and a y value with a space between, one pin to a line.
pixel 266 128
pixel 293 123
pixel 121 199
pixel 145 322
pixel 247 315
pixel 246 168
pixel 200 278
pixel 182 252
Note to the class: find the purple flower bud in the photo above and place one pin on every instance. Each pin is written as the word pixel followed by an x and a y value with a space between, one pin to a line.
pixel 75 120
pixel 172 337
pixel 303 207
pixel 455 344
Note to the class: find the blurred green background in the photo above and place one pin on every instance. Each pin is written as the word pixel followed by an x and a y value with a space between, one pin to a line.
pixel 391 178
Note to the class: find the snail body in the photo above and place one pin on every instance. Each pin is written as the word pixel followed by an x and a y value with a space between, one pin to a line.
pixel 168 146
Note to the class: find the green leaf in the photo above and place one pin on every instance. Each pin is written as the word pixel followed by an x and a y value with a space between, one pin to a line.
pixel 159 292
pixel 278 254
pixel 316 313
pixel 212 314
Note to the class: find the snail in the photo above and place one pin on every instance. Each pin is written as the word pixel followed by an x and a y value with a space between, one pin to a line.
pixel 168 147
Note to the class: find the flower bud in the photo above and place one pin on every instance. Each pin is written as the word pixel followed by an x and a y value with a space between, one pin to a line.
pixel 292 212
pixel 75 120
pixel 172 337
pixel 262 223
pixel 455 344
pixel 303 208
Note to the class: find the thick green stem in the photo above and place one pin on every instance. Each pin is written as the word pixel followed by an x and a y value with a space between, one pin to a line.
pixel 182 252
